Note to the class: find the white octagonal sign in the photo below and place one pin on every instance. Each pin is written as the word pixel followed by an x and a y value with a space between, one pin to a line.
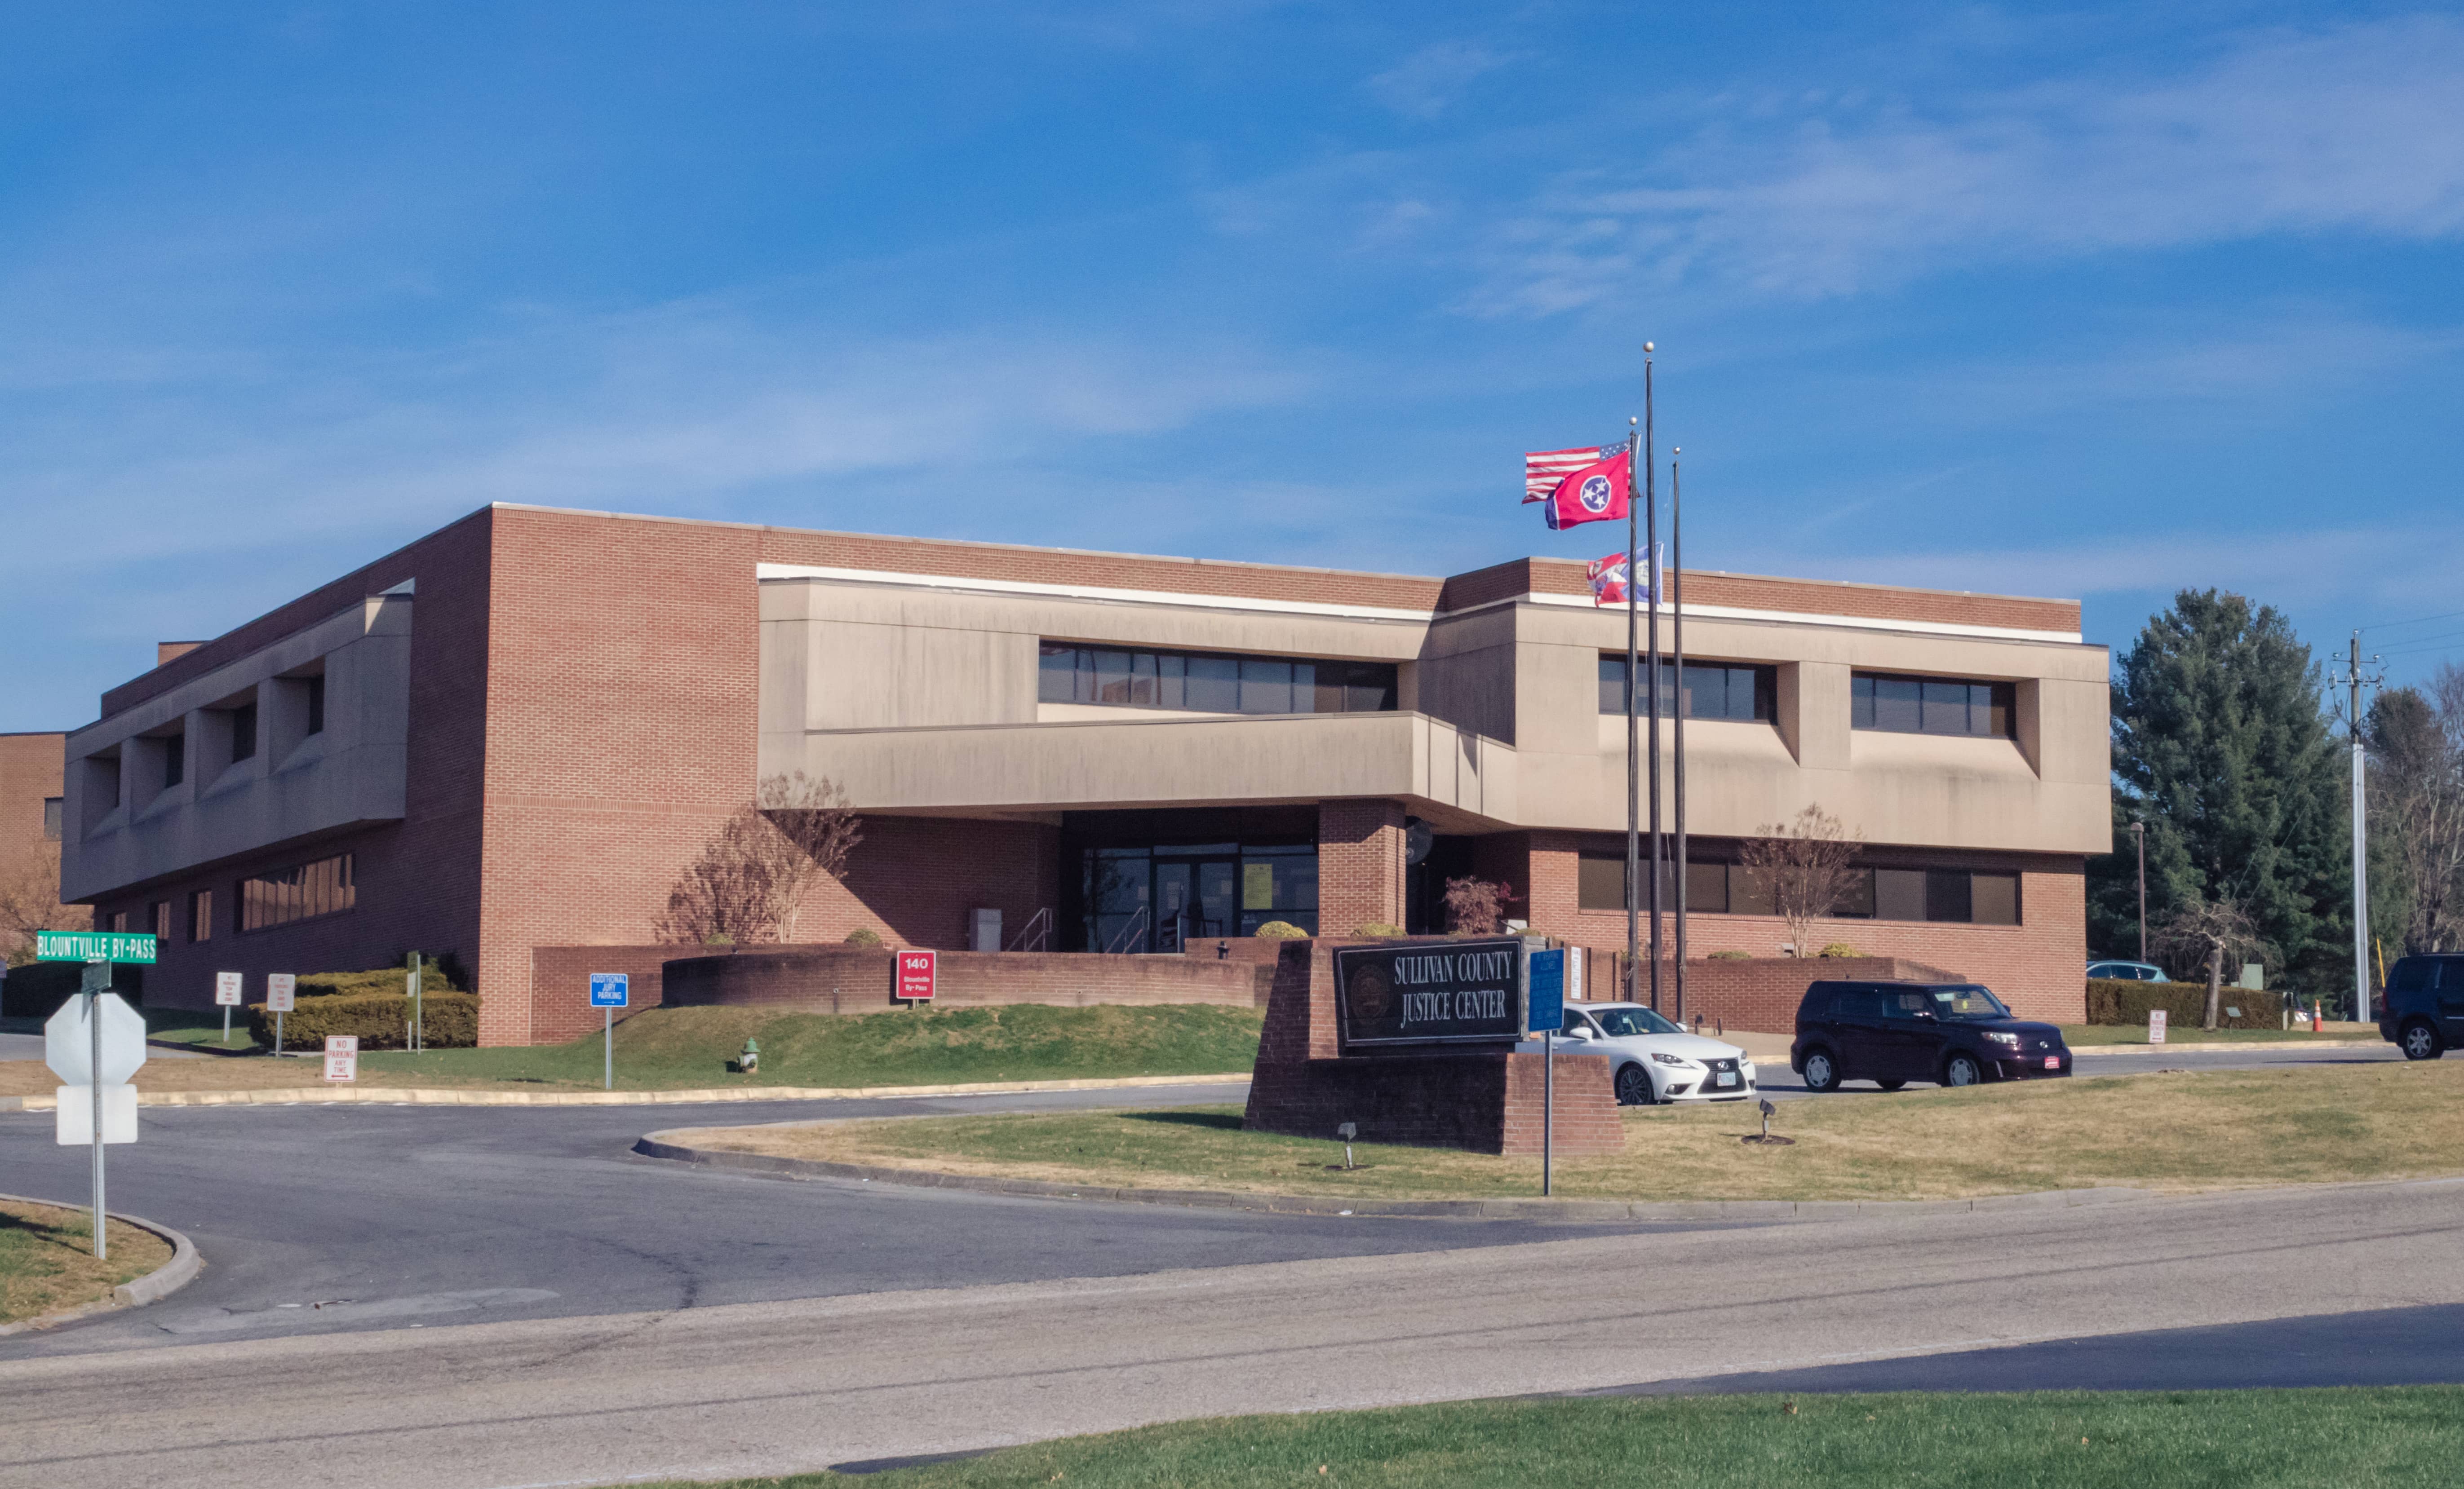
pixel 68 1042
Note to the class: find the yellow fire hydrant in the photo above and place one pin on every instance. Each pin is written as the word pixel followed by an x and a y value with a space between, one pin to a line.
pixel 749 1061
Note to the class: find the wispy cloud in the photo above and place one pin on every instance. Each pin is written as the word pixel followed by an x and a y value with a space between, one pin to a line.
pixel 2350 131
pixel 1430 80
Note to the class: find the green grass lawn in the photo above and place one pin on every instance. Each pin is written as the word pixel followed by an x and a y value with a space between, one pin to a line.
pixel 47 1262
pixel 2176 1131
pixel 683 1048
pixel 2080 1035
pixel 2387 1438
pixel 198 1026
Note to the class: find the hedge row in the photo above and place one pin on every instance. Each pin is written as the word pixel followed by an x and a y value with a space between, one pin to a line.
pixel 37 989
pixel 384 979
pixel 2118 1001
pixel 378 1018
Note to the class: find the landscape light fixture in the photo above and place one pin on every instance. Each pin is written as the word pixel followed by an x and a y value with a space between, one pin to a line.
pixel 1347 1132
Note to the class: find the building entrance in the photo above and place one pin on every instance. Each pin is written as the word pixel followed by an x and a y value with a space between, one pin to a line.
pixel 1148 882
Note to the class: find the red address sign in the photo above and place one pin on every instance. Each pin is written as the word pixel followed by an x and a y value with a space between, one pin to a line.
pixel 917 971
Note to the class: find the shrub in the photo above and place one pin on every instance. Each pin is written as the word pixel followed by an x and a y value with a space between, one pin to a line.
pixel 378 1018
pixel 1840 949
pixel 1281 930
pixel 1731 956
pixel 1379 930
pixel 2120 1000
pixel 37 990
pixel 864 936
pixel 432 981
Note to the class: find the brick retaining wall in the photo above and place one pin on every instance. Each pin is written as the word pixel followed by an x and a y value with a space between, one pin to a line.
pixel 857 980
pixel 560 1010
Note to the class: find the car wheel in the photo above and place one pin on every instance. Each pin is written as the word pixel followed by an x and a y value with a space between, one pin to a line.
pixel 2421 1041
pixel 1633 1087
pixel 1821 1072
pixel 1962 1070
pixel 1890 1086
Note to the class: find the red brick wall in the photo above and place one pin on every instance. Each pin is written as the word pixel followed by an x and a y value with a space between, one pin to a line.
pixel 560 1008
pixel 855 980
pixel 915 880
pixel 1359 865
pixel 31 769
pixel 1826 597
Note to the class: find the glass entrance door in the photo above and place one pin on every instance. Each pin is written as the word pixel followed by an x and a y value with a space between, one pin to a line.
pixel 1174 905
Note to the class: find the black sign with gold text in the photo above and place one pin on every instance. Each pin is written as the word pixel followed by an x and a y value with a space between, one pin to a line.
pixel 1430 993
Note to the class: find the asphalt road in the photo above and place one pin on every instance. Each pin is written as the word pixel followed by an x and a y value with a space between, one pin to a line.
pixel 722 1389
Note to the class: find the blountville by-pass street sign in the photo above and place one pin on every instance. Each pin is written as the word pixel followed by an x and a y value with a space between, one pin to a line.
pixel 93 946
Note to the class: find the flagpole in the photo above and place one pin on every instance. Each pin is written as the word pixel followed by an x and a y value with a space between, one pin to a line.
pixel 1650 554
pixel 1677 620
pixel 1633 736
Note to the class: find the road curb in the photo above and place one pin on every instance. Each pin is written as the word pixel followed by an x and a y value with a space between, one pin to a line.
pixel 451 1096
pixel 137 1292
pixel 2223 1049
pixel 661 1145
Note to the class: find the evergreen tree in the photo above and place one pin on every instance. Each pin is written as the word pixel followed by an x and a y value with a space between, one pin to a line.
pixel 2220 744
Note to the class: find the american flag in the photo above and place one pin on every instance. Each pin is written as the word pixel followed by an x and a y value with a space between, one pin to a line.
pixel 1543 468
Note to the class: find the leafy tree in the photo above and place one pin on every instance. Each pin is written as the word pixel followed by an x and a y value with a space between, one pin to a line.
pixel 2219 742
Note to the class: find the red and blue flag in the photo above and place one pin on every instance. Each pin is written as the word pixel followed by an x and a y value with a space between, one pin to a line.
pixel 1600 491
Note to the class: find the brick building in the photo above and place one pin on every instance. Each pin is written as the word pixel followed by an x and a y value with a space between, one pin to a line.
pixel 515 730
pixel 30 836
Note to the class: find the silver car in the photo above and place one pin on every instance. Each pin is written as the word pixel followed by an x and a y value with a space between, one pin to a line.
pixel 1657 1061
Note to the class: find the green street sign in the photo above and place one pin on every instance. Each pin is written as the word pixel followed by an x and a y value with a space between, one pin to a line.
pixel 93 946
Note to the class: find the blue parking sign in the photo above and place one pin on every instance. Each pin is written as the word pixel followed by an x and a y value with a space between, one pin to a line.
pixel 1545 1008
pixel 608 988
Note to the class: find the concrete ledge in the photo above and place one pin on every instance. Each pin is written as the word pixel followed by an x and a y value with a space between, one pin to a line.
pixel 155 1285
pixel 448 1096
pixel 667 1145
pixel 2220 1048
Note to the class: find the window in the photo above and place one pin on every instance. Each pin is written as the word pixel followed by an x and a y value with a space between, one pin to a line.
pixel 175 760
pixel 52 819
pixel 278 898
pixel 1210 683
pixel 1599 884
pixel 1955 896
pixel 243 725
pixel 1929 706
pixel 1712 690
pixel 120 923
pixel 200 915
pixel 317 704
pixel 160 920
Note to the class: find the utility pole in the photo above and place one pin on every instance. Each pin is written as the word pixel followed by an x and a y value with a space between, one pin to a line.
pixel 1651 563
pixel 2354 682
pixel 2139 831
pixel 1677 643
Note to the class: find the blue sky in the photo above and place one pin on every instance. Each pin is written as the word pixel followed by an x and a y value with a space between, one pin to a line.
pixel 2085 302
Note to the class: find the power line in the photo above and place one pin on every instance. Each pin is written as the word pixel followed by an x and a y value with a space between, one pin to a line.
pixel 2418 619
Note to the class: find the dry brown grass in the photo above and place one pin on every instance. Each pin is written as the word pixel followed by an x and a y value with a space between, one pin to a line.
pixel 2218 1130
pixel 47 1262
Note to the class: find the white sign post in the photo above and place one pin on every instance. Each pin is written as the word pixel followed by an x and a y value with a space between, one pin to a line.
pixel 94 1044
pixel 609 992
pixel 228 988
pixel 2155 1026
pixel 342 1057
pixel 281 995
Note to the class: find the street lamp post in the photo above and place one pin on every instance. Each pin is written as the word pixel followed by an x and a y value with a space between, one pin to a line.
pixel 2139 831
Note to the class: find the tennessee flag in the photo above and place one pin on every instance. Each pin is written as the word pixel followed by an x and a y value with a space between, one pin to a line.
pixel 1610 576
pixel 1596 493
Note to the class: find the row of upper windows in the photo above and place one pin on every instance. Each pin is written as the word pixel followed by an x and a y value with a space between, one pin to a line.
pixel 170 752
pixel 1222 683
pixel 327 886
pixel 1958 896
pixel 1206 682
pixel 1875 700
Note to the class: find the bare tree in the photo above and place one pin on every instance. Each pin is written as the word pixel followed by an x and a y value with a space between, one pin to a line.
pixel 749 881
pixel 2212 931
pixel 1476 906
pixel 30 901
pixel 2417 800
pixel 1807 865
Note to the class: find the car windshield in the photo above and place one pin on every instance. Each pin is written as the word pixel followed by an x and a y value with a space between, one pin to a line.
pixel 1966 1005
pixel 1619 1023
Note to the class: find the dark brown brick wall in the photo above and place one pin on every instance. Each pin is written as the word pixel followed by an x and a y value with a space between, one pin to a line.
pixel 857 980
pixel 560 1008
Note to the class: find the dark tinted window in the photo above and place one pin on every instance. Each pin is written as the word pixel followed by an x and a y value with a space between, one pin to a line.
pixel 243 722
pixel 175 762
pixel 1856 1004
pixel 2412 974
pixel 1741 693
pixel 1209 683
pixel 51 827
pixel 1929 705
pixel 1907 1003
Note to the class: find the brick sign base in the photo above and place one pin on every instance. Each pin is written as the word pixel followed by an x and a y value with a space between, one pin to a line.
pixel 1488 1102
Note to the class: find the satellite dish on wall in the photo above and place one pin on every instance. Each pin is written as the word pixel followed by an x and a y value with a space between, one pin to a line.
pixel 1418 840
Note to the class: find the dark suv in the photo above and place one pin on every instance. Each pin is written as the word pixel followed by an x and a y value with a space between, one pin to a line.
pixel 2421 1009
pixel 1891 1033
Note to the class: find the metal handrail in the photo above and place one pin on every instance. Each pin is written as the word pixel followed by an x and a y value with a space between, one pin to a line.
pixel 1041 939
pixel 1136 928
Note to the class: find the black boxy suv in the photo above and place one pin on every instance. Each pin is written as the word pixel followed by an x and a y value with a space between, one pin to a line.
pixel 1891 1033
pixel 2421 1009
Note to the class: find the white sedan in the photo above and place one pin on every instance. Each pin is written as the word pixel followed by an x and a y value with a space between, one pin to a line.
pixel 1657 1061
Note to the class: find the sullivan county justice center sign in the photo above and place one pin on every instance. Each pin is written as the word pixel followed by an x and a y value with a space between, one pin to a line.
pixel 1461 993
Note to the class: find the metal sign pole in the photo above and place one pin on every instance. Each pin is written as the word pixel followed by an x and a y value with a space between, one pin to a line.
pixel 94 991
pixel 608 1016
pixel 1548 1108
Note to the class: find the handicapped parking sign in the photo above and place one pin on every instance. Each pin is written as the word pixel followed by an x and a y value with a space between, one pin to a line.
pixel 608 988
